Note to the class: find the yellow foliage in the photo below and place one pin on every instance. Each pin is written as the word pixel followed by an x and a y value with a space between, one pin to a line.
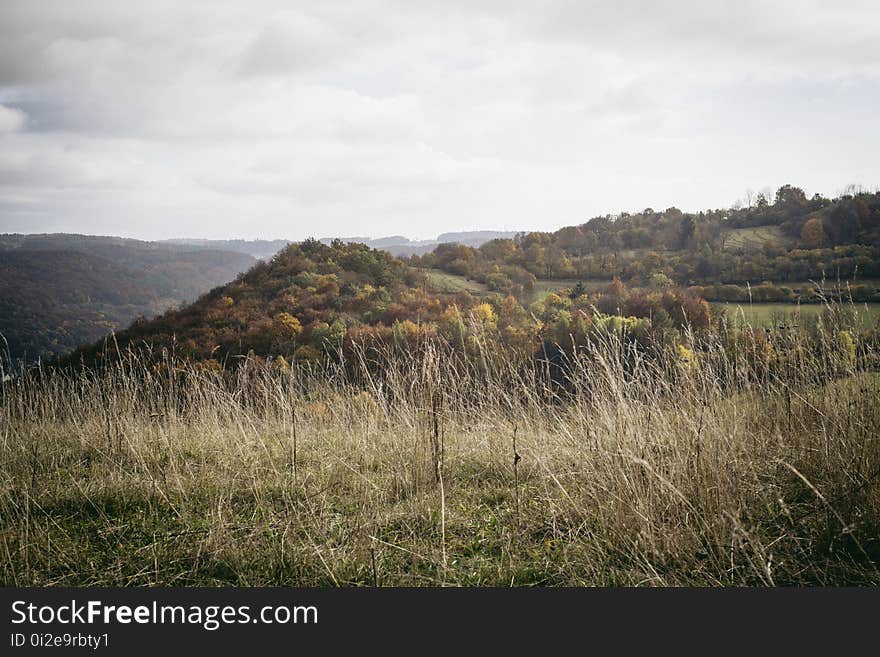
pixel 287 324
pixel 407 330
pixel 684 354
pixel 484 314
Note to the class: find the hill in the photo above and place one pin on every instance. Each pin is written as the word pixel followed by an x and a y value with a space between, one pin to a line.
pixel 60 291
pixel 303 302
pixel 791 239
pixel 656 268
pixel 315 302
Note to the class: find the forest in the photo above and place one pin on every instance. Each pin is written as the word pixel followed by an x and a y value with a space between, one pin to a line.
pixel 58 292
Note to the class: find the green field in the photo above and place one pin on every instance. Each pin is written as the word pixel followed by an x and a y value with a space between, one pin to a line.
pixel 769 314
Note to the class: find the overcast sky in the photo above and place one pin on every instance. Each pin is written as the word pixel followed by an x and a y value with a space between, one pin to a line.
pixel 288 119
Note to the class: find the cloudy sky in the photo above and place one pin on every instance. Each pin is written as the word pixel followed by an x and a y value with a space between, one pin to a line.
pixel 289 119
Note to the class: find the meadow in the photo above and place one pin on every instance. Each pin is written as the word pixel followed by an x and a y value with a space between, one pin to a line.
pixel 768 315
pixel 699 466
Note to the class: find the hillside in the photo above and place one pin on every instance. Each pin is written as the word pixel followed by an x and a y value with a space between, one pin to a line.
pixel 300 304
pixel 313 302
pixel 61 291
pixel 420 428
pixel 791 239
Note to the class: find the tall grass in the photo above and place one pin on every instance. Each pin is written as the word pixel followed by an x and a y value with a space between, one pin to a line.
pixel 726 463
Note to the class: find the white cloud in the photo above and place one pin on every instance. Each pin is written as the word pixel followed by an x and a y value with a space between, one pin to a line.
pixel 11 119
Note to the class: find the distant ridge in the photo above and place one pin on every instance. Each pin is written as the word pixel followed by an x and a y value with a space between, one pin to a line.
pixel 398 245
pixel 58 291
pixel 260 249
pixel 403 246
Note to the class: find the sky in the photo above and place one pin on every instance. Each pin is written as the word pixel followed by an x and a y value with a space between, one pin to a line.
pixel 259 119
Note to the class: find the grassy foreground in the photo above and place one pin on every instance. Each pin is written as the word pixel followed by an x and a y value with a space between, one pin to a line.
pixel 682 472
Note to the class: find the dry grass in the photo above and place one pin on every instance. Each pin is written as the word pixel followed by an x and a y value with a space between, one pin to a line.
pixel 641 472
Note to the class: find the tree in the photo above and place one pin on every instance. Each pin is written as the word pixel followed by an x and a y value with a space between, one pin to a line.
pixel 660 281
pixel 286 326
pixel 813 233
pixel 613 297
pixel 790 196
pixel 844 223
pixel 686 232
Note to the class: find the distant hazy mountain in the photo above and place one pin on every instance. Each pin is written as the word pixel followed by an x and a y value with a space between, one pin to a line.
pixel 59 291
pixel 260 249
pixel 395 244
pixel 403 246
pixel 470 237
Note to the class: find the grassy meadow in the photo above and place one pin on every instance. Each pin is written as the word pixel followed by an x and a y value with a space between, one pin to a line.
pixel 705 467
pixel 768 315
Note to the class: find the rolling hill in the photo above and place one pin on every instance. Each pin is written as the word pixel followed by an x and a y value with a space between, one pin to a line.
pixel 793 239
pixel 61 291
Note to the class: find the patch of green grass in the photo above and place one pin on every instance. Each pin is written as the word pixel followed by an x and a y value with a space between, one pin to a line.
pixel 771 314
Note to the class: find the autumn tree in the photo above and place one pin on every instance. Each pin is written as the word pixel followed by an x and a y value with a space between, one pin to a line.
pixel 813 233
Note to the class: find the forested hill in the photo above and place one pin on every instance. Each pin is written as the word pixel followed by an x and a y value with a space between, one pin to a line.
pixel 313 301
pixel 784 240
pixel 307 299
pixel 60 291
